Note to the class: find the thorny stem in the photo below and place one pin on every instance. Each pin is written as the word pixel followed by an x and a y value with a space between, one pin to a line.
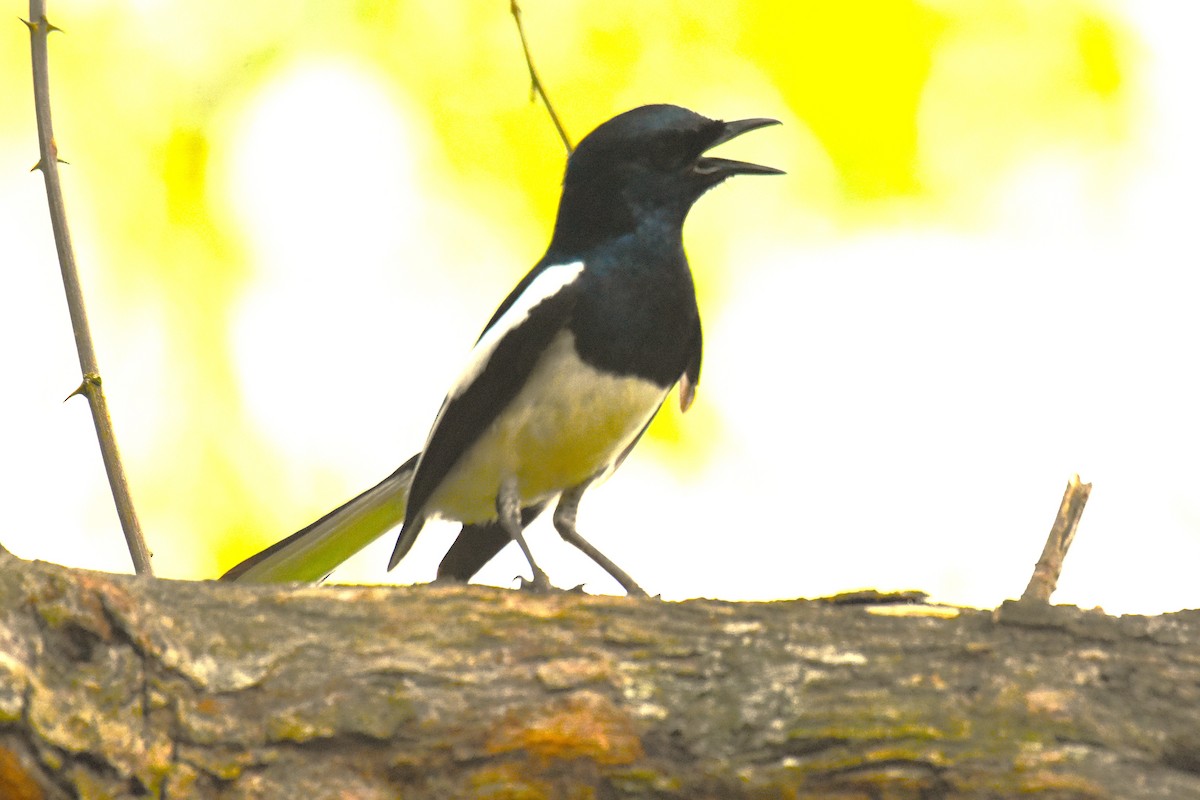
pixel 39 31
pixel 535 83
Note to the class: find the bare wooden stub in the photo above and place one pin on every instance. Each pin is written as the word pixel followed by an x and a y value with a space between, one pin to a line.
pixel 1049 566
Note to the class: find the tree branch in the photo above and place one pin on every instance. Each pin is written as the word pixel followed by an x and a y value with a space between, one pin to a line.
pixel 536 87
pixel 118 687
pixel 1045 576
pixel 90 387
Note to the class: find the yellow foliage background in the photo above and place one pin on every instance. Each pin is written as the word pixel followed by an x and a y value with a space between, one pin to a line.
pixel 292 220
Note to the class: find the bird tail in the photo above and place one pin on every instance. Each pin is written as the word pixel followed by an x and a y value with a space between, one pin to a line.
pixel 311 553
pixel 408 536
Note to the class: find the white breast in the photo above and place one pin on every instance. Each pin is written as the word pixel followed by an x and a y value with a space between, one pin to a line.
pixel 568 422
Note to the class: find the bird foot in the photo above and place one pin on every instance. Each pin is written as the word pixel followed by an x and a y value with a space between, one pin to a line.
pixel 544 586
pixel 539 585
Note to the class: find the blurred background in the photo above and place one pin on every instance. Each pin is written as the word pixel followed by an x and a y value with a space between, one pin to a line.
pixel 292 221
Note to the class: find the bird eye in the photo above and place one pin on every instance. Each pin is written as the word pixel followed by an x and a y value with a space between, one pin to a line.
pixel 666 157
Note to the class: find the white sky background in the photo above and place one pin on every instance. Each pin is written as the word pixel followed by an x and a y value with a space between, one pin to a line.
pixel 898 409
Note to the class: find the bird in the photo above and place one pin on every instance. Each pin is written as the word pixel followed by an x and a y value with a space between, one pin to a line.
pixel 571 368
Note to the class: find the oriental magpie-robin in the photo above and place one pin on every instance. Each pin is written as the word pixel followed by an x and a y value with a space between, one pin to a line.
pixel 570 370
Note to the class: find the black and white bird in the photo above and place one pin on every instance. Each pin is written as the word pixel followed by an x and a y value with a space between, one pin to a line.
pixel 571 368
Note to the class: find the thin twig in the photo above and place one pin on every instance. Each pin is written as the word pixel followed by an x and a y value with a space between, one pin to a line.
pixel 1045 575
pixel 536 87
pixel 39 31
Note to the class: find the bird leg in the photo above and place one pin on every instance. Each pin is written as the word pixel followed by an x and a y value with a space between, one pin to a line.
pixel 508 506
pixel 564 523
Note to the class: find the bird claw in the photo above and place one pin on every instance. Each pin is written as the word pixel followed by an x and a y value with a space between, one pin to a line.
pixel 539 585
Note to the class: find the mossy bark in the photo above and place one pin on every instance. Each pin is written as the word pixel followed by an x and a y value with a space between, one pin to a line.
pixel 116 686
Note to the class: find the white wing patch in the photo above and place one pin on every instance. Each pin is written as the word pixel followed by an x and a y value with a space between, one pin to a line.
pixel 547 284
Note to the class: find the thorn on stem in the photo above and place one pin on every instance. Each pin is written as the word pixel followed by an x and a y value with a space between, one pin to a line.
pixel 89 384
pixel 41 24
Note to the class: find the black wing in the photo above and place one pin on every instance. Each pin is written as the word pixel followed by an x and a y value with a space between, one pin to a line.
pixel 471 409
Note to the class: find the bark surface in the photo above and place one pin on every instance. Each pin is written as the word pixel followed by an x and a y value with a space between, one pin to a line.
pixel 116 686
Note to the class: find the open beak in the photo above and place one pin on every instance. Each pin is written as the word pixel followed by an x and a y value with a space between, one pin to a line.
pixel 724 167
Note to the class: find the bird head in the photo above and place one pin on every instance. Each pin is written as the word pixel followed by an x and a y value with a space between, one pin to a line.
pixel 648 163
